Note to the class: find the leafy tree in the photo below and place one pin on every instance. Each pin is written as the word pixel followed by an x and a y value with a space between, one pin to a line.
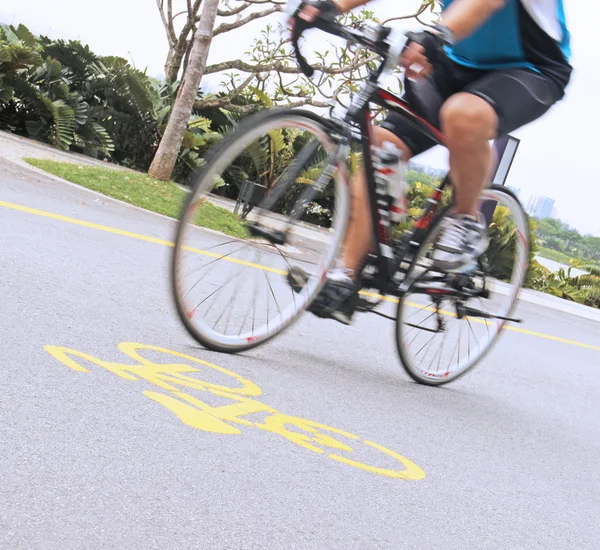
pixel 38 98
pixel 181 22
pixel 268 69
pixel 170 144
pixel 501 250
pixel 550 227
pixel 592 247
pixel 583 289
pixel 62 93
pixel 557 235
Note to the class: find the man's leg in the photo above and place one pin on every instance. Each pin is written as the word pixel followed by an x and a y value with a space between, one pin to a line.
pixel 359 235
pixel 496 104
pixel 339 296
pixel 469 123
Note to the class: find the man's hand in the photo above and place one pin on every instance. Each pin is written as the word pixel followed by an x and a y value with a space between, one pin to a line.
pixel 424 50
pixel 415 62
pixel 310 11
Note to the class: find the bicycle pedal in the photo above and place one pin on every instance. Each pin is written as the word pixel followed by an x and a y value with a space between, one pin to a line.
pixel 274 236
pixel 297 278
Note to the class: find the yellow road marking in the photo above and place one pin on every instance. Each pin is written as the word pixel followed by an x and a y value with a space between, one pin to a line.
pixel 506 327
pixel 550 337
pixel 141 237
pixel 177 379
pixel 133 235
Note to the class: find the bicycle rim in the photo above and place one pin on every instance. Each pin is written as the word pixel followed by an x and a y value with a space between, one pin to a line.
pixel 231 292
pixel 436 340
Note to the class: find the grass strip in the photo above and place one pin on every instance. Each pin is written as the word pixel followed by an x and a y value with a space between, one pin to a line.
pixel 141 190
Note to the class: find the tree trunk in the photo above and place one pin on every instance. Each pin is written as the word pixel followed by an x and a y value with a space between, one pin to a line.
pixel 169 64
pixel 176 57
pixel 170 144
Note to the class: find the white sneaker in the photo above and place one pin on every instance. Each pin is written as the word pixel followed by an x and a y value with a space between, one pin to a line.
pixel 340 275
pixel 462 241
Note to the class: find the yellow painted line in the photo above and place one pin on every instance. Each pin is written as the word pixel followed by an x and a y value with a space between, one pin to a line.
pixel 163 242
pixel 137 236
pixel 506 327
pixel 553 338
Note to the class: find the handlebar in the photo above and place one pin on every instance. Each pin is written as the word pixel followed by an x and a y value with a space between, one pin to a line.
pixel 374 39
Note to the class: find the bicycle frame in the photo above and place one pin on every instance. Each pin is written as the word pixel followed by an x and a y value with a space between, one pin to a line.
pixel 389 260
pixel 359 115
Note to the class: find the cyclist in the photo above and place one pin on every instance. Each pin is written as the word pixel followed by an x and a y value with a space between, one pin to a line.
pixel 485 69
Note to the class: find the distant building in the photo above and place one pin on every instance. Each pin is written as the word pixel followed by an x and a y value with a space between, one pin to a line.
pixel 540 207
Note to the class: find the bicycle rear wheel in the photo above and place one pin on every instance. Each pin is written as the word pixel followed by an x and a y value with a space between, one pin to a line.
pixel 447 324
pixel 230 290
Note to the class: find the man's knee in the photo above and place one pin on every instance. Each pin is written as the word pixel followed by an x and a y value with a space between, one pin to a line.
pixel 467 119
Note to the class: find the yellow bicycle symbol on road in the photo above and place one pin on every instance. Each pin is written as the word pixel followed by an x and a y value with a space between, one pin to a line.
pixel 175 379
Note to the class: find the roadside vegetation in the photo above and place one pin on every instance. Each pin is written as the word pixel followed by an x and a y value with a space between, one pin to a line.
pixel 62 93
pixel 139 189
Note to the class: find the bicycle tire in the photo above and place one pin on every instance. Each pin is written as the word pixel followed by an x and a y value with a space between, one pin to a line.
pixel 440 377
pixel 249 128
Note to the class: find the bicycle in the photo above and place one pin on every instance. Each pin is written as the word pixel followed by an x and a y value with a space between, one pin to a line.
pixel 285 228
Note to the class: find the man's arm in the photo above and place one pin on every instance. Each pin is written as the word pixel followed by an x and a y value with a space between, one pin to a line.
pixel 309 13
pixel 464 17
pixel 347 5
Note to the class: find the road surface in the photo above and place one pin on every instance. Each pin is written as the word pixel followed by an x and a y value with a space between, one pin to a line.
pixel 103 446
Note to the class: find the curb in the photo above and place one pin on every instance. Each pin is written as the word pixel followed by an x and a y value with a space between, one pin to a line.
pixel 559 304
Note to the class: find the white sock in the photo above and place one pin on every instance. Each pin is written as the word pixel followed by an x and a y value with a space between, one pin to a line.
pixel 340 274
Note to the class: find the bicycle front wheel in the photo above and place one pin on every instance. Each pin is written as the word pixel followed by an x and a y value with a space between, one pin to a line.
pixel 272 195
pixel 446 324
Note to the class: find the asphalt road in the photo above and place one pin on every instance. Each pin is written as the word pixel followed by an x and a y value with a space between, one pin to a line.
pixel 506 457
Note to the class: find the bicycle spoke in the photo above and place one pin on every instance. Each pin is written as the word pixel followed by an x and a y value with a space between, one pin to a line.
pixel 209 264
pixel 272 293
pixel 485 320
pixel 441 349
pixel 418 333
pixel 212 294
pixel 220 289
pixel 469 333
pixel 458 350
pixel 419 311
pixel 267 300
pixel 293 294
pixel 195 269
pixel 427 344
pixel 251 306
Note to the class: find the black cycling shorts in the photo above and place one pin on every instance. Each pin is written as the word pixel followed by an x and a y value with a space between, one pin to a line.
pixel 519 96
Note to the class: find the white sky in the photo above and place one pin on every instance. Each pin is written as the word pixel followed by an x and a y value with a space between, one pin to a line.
pixel 558 156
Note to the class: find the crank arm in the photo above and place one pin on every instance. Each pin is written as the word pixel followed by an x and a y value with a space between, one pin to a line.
pixel 435 331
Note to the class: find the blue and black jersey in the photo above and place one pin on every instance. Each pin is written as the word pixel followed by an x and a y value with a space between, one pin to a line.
pixel 523 34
